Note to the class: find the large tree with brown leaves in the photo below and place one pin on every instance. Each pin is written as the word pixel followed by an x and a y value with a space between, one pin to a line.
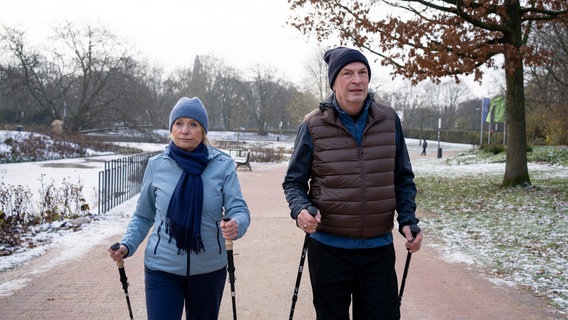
pixel 431 39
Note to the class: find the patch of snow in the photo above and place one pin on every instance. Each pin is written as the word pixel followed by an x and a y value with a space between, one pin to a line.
pixel 501 283
pixel 7 288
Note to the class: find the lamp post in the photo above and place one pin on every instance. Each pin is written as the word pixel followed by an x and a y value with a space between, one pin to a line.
pixel 439 127
pixel 481 125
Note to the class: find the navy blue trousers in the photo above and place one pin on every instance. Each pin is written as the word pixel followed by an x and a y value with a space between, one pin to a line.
pixel 367 276
pixel 166 295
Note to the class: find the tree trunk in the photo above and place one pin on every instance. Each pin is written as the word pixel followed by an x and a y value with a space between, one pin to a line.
pixel 516 169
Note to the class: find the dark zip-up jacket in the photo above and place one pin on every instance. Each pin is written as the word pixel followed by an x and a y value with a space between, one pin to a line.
pixel 368 180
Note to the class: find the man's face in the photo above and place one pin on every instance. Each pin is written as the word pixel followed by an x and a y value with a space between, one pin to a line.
pixel 351 87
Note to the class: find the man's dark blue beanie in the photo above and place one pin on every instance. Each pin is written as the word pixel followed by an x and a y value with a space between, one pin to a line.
pixel 190 108
pixel 339 57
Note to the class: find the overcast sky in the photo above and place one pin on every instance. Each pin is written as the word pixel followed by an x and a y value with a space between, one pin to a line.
pixel 170 33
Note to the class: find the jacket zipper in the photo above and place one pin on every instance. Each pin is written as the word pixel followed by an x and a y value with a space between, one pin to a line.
pixel 364 191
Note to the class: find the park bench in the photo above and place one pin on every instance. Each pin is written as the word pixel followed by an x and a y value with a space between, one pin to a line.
pixel 243 161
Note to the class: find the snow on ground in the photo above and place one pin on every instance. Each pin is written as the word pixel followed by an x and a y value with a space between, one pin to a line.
pixel 86 169
pixel 71 244
pixel 504 258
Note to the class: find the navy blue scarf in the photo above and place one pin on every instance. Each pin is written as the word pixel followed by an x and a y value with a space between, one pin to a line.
pixel 183 219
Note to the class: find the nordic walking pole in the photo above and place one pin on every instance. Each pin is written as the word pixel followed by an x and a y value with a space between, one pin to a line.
pixel 313 211
pixel 231 270
pixel 414 229
pixel 123 278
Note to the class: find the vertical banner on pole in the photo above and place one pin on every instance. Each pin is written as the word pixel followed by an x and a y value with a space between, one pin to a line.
pixel 485 109
pixel 485 102
pixel 498 105
pixel 497 112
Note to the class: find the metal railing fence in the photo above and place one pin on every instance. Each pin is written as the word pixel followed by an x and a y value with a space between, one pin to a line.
pixel 121 179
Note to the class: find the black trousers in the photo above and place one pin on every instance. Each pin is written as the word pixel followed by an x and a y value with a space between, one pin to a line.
pixel 367 276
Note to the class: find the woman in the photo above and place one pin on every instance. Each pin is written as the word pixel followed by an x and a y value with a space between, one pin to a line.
pixel 186 192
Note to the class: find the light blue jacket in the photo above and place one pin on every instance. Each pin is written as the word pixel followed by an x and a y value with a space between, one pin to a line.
pixel 222 197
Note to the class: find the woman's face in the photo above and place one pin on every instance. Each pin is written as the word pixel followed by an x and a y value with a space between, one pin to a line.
pixel 187 134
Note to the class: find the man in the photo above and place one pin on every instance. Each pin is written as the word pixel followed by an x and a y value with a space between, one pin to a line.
pixel 424 145
pixel 350 162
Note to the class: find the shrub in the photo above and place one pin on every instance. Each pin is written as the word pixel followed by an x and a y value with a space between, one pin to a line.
pixel 17 213
pixel 492 148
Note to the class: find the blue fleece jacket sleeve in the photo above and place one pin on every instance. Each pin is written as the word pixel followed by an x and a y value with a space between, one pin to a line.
pixel 143 217
pixel 235 205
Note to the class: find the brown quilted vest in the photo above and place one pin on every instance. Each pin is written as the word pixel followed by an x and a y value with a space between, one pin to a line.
pixel 353 187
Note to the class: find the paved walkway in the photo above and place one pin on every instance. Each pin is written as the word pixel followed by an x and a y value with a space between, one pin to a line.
pixel 266 262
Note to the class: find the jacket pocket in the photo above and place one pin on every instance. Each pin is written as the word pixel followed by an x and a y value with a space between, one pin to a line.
pixel 159 238
pixel 218 223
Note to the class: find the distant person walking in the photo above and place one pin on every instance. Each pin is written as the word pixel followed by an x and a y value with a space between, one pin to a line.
pixel 424 145
pixel 186 192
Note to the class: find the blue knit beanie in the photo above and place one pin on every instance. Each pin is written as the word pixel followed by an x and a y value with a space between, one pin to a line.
pixel 339 57
pixel 190 108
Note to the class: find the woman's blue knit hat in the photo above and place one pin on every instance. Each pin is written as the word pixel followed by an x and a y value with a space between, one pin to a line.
pixel 190 108
pixel 339 57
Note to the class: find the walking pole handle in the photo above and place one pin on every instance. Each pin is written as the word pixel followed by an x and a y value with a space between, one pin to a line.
pixel 123 279
pixel 229 247
pixel 414 229
pixel 313 210
pixel 115 246
pixel 228 242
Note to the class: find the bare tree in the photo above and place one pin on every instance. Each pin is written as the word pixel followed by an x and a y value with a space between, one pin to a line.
pixel 301 104
pixel 162 93
pixel 316 69
pixel 469 114
pixel 547 90
pixel 210 80
pixel 144 101
pixel 266 95
pixel 77 79
pixel 29 70
pixel 443 100
pixel 229 89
